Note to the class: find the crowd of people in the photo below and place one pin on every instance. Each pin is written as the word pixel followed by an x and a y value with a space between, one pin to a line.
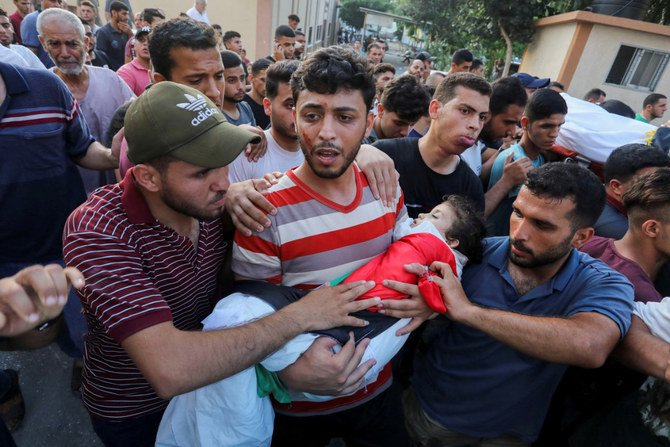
pixel 313 246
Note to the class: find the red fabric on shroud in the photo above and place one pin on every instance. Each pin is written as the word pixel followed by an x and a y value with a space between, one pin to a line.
pixel 422 248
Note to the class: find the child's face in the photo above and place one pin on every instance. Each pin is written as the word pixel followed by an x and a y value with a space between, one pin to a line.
pixel 442 216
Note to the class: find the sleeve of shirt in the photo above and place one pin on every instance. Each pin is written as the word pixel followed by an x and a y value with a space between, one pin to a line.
pixel 497 168
pixel 118 293
pixel 239 170
pixel 608 293
pixel 656 316
pixel 258 256
pixel 29 34
pixel 78 135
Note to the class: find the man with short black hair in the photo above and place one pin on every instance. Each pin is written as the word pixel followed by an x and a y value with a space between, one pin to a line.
pixel 653 106
pixel 427 60
pixel 284 44
pixel 88 14
pixel 541 121
pixel 283 150
pixel 293 21
pixel 596 96
pixel 622 166
pixel 255 97
pixel 113 36
pixel 461 61
pixel 374 53
pixel 477 67
pixel 236 110
pixel 137 73
pixel 431 167
pixel 23 8
pixel 532 306
pixel 404 101
pixel 232 40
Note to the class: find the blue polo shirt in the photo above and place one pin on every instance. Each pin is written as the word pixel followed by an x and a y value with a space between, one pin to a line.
pixel 41 130
pixel 471 383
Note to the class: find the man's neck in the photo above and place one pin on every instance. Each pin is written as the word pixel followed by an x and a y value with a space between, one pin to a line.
pixel 181 223
pixel 230 108
pixel 146 63
pixel 436 158
pixel 377 126
pixel 285 143
pixel 341 190
pixel 527 278
pixel 531 150
pixel 74 80
pixel 641 251
pixel 647 115
pixel 258 99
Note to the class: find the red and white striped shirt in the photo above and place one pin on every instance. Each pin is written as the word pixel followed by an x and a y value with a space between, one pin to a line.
pixel 313 240
pixel 139 273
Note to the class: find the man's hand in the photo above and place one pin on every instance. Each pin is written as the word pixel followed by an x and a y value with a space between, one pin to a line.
pixel 328 307
pixel 278 53
pixel 380 171
pixel 319 370
pixel 515 171
pixel 413 307
pixel 454 297
pixel 125 28
pixel 35 294
pixel 254 152
pixel 248 207
pixel 116 145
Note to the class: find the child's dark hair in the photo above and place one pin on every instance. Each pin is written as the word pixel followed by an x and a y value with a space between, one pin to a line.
pixel 469 227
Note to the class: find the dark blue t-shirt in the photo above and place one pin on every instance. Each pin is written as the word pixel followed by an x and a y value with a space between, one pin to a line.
pixel 473 384
pixel 41 131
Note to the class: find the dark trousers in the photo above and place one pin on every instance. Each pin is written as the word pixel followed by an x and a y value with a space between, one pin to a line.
pixel 378 422
pixel 137 432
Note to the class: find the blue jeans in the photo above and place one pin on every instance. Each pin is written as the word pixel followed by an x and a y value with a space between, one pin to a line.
pixel 70 341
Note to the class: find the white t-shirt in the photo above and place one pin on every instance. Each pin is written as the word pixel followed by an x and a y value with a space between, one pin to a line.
pixel 473 157
pixel 31 59
pixel 195 15
pixel 276 159
pixel 10 57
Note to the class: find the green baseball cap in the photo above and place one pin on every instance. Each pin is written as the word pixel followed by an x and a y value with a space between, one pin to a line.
pixel 176 120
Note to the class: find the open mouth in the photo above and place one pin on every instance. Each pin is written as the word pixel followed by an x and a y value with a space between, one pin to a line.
pixel 327 156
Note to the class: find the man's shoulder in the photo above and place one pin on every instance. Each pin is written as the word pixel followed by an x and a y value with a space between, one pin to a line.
pixel 103 206
pixel 400 147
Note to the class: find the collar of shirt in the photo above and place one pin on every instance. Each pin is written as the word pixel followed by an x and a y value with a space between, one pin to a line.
pixel 133 201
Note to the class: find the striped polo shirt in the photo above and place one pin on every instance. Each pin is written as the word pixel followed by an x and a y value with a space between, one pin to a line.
pixel 42 131
pixel 139 273
pixel 313 240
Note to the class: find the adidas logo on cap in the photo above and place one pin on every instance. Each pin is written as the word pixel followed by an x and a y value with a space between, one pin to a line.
pixel 198 104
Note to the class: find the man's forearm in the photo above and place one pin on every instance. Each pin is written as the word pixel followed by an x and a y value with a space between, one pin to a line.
pixel 584 339
pixel 495 195
pixel 642 351
pixel 98 157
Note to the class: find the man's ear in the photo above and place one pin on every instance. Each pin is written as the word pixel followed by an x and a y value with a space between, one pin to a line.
pixel 651 228
pixel 434 108
pixel 453 243
pixel 380 110
pixel 524 122
pixel 147 177
pixel 369 122
pixel 582 236
pixel 267 106
pixel 158 77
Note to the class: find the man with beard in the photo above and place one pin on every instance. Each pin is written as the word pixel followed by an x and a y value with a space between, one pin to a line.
pixel 237 111
pixel 430 167
pixel 99 91
pixel 532 306
pixel 6 39
pixel 327 224
pixel 541 121
pixel 150 248
pixel 114 35
pixel 283 151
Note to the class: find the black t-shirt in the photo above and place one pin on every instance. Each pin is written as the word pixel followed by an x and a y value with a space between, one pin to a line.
pixel 261 118
pixel 423 187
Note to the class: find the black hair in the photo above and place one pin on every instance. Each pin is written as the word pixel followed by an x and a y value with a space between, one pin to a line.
pixel 4 13
pixel 150 14
pixel 476 63
pixel 506 92
pixel 284 31
pixel 558 85
pixel 594 94
pixel 406 97
pixel 260 65
pixel 560 181
pixel 625 161
pixel 462 55
pixel 544 103
pixel 228 35
pixel 652 99
pixel 468 228
pixel 618 108
pixel 382 68
pixel 648 196
pixel 446 90
pixel 178 33
pixel 294 17
pixel 118 6
pixel 279 72
pixel 330 69
pixel 230 59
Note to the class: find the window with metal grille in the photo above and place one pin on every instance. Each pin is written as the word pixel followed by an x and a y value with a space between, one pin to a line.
pixel 637 68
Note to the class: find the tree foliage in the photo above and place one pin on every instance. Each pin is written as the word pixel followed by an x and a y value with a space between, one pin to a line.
pixel 351 14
